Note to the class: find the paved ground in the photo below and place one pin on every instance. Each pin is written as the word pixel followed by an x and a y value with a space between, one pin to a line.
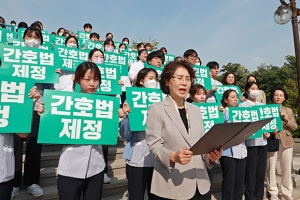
pixel 217 196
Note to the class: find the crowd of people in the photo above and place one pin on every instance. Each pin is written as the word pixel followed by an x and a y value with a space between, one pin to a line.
pixel 158 159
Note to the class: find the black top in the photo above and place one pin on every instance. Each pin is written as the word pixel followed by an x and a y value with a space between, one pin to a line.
pixel 184 118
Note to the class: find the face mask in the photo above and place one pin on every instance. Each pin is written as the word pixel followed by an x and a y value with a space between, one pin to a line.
pixel 60 34
pixel 150 84
pixel 125 42
pixel 13 24
pixel 32 43
pixel 72 45
pixel 109 49
pixel 254 93
pixel 197 64
pixel 98 60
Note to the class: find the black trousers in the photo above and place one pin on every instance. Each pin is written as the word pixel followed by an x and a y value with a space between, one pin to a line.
pixel 138 179
pixel 233 172
pixel 6 189
pixel 210 173
pixel 72 188
pixel 255 172
pixel 32 163
pixel 197 196
pixel 105 155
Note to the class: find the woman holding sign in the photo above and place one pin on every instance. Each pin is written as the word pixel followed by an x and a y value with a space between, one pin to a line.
pixel 256 152
pixel 233 160
pixel 81 167
pixel 173 126
pixel 139 161
pixel 285 152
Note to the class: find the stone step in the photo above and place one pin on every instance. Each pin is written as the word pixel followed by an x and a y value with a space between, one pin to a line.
pixel 50 159
pixel 117 186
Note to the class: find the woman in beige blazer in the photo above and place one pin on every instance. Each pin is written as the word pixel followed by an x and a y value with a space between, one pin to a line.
pixel 173 126
pixel 285 152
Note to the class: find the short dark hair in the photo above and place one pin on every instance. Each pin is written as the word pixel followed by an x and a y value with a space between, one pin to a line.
pixel 140 52
pixel 142 74
pixel 148 44
pixel 107 41
pixel 53 33
pixel 154 54
pixel 66 33
pixel 189 52
pixel 87 25
pixel 164 48
pixel 193 91
pixel 69 37
pixel 199 60
pixel 139 45
pixel 177 58
pixel 2 20
pixel 82 69
pixel 95 35
pixel 36 24
pixel 40 23
pixel 252 75
pixel 13 22
pixel 122 44
pixel 169 71
pixel 225 76
pixel 22 25
pixel 107 34
pixel 93 51
pixel 35 30
pixel 249 85
pixel 225 96
pixel 212 65
pixel 125 38
pixel 286 96
pixel 60 30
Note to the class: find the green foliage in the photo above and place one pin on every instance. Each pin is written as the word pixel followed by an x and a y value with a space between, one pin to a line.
pixel 153 42
pixel 240 72
pixel 290 87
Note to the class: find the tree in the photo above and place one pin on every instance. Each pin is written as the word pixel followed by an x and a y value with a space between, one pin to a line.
pixel 240 72
pixel 290 87
pixel 145 40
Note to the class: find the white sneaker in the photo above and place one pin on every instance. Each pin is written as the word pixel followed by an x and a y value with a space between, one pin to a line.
pixel 35 190
pixel 15 192
pixel 106 179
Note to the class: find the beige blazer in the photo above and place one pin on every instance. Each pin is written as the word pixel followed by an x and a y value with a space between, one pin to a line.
pixel 285 136
pixel 165 133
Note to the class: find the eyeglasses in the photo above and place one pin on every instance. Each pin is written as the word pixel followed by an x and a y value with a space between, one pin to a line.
pixel 181 79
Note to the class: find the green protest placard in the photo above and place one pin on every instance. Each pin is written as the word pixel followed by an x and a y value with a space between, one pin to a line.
pixel 10 28
pixel 28 63
pixel 79 118
pixel 131 56
pixel 15 106
pixel 255 113
pixel 157 69
pixel 110 75
pixel 21 43
pixel 222 88
pixel 270 111
pixel 83 35
pixel 211 115
pixel 47 38
pixel 21 32
pixel 202 76
pixel 117 60
pixel 138 100
pixel 89 44
pixel 58 40
pixel 3 33
pixel 169 58
pixel 10 35
pixel 69 58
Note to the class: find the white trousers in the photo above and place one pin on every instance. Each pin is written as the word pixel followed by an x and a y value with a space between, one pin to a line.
pixel 285 155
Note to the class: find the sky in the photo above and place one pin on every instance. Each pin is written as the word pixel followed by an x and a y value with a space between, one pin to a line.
pixel 234 31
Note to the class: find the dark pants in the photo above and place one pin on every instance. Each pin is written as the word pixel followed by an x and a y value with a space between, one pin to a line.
pixel 105 154
pixel 33 156
pixel 197 196
pixel 210 173
pixel 72 188
pixel 255 172
pixel 6 189
pixel 123 98
pixel 138 179
pixel 233 172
